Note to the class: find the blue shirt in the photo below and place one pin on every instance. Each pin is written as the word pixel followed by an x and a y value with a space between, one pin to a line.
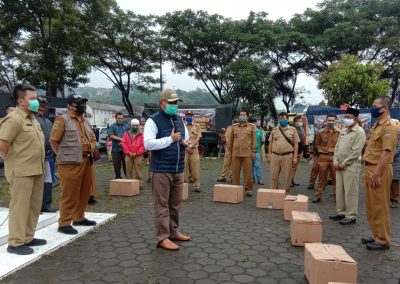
pixel 117 130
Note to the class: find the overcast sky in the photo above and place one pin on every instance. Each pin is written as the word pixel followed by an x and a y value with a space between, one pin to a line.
pixel 234 9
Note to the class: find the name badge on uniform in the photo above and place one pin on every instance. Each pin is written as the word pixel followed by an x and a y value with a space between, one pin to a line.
pixel 29 125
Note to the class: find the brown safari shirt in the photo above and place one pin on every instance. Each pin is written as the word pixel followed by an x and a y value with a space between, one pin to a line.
pixel 326 140
pixel 242 139
pixel 382 136
pixel 194 131
pixel 279 143
pixel 26 153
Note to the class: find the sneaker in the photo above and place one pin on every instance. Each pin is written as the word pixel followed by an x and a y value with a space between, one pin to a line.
pixel 68 230
pixel 394 204
pixel 221 179
pixel 84 222
pixel 92 200
pixel 20 250
pixel 261 182
pixel 36 242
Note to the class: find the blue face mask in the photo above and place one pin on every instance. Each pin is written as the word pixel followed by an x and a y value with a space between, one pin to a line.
pixel 375 111
pixel 189 119
pixel 171 109
pixel 34 105
pixel 283 122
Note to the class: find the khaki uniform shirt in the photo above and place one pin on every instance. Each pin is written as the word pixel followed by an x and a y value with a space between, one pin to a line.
pixel 57 132
pixel 26 153
pixel 349 147
pixel 279 143
pixel 194 131
pixel 326 140
pixel 242 140
pixel 382 136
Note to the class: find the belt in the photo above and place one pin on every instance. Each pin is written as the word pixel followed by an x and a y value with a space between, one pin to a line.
pixel 283 154
pixel 327 154
pixel 369 164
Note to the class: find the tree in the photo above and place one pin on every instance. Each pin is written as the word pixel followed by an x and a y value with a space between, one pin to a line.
pixel 51 51
pixel 353 83
pixel 125 48
pixel 205 45
pixel 322 103
pixel 253 87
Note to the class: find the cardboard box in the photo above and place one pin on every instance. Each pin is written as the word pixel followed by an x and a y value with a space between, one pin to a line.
pixel 305 227
pixel 325 263
pixel 124 187
pixel 228 193
pixel 185 191
pixel 270 198
pixel 294 203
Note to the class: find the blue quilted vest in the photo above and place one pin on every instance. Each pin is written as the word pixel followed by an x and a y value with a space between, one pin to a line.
pixel 172 158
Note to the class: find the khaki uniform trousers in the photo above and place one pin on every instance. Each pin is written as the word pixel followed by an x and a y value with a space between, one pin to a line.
pixel 280 164
pixel 314 171
pixel 134 163
pixel 192 167
pixel 394 191
pixel 226 169
pixel 347 184
pixel 377 204
pixel 237 164
pixel 294 168
pixel 325 164
pixel 25 204
pixel 93 188
pixel 75 182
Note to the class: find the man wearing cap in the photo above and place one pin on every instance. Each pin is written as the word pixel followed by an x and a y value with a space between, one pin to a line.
pixel 116 132
pixel 22 148
pixel 46 126
pixel 166 136
pixel 347 162
pixel 73 140
pixel 192 157
pixel 132 144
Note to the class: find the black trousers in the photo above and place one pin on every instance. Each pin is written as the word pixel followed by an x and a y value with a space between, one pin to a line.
pixel 118 158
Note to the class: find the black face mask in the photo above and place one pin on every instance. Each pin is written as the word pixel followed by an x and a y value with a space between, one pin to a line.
pixel 80 109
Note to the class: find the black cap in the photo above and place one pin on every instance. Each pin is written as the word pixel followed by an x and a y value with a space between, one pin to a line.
pixel 75 98
pixel 352 111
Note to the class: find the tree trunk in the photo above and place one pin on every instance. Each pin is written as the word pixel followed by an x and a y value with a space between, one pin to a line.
pixel 51 89
pixel 127 103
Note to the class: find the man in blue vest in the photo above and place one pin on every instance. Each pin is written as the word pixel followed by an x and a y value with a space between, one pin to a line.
pixel 165 135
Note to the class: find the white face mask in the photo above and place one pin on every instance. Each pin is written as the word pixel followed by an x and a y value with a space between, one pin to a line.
pixel 348 121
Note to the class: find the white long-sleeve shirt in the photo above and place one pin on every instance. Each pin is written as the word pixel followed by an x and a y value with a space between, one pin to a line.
pixel 152 143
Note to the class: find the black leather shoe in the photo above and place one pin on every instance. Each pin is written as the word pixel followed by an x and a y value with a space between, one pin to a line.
pixel 68 230
pixel 84 222
pixel 221 179
pixel 377 246
pixel 261 182
pixel 394 204
pixel 317 200
pixel 329 182
pixel 337 217
pixel 49 210
pixel 92 200
pixel 148 180
pixel 310 186
pixel 197 189
pixel 367 240
pixel 347 221
pixel 249 193
pixel 36 242
pixel 20 250
pixel 295 184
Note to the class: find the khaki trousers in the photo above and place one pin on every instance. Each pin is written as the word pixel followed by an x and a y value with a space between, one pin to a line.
pixel 394 191
pixel 237 164
pixel 192 167
pixel 314 171
pixel 325 164
pixel 347 184
pixel 134 163
pixel 280 164
pixel 93 188
pixel 294 168
pixel 25 205
pixel 167 196
pixel 75 183
pixel 226 170
pixel 377 203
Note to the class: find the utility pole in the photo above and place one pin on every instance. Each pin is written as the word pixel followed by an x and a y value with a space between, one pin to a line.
pixel 161 76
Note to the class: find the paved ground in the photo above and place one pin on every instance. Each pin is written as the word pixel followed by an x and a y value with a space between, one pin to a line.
pixel 231 243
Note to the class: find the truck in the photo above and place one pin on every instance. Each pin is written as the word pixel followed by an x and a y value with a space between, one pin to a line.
pixel 211 119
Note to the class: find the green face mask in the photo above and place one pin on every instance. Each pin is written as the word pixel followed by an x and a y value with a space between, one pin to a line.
pixel 171 109
pixel 134 129
pixel 34 105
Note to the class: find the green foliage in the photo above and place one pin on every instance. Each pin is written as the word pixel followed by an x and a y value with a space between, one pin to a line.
pixel 353 83
pixel 125 49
